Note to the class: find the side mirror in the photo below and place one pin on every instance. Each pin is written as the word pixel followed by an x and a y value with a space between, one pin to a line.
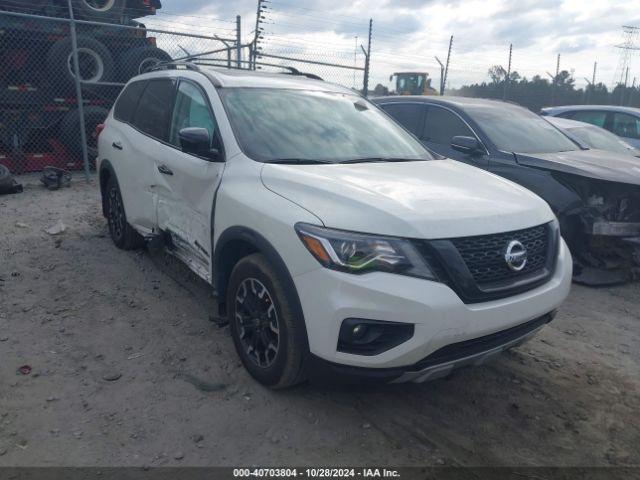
pixel 197 141
pixel 469 145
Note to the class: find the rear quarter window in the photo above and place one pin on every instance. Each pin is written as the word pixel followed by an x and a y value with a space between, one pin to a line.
pixel 128 101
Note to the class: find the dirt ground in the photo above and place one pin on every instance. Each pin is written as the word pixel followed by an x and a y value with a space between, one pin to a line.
pixel 127 369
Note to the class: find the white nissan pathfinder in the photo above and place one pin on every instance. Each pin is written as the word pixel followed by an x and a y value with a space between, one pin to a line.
pixel 331 237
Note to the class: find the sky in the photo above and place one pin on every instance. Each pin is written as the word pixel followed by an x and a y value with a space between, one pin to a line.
pixel 408 34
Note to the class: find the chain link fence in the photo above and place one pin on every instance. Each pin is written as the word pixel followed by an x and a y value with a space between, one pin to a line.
pixel 50 107
pixel 42 98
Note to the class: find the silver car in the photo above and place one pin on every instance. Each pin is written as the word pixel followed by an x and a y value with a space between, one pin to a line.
pixel 593 137
pixel 621 121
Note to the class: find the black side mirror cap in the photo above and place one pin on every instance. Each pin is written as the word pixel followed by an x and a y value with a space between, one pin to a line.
pixel 197 141
pixel 469 145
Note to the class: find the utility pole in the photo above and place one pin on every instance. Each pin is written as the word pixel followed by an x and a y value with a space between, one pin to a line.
pixel 633 90
pixel 446 68
pixel 239 41
pixel 507 79
pixel 441 76
pixel 623 90
pixel 555 82
pixel 587 90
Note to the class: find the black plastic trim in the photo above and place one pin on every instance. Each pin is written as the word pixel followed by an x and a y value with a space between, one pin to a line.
pixel 324 370
pixel 390 335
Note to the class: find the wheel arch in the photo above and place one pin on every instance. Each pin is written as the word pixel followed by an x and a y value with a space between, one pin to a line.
pixel 238 242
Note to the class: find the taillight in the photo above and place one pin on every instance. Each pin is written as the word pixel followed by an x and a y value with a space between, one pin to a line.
pixel 98 131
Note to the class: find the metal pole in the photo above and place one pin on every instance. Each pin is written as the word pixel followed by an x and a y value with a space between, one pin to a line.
pixel 587 90
pixel 592 85
pixel 441 76
pixel 446 69
pixel 555 81
pixel 238 41
pixel 79 100
pixel 633 90
pixel 367 62
pixel 623 90
pixel 508 77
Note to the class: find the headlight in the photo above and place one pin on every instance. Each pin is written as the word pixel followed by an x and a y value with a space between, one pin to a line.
pixel 362 253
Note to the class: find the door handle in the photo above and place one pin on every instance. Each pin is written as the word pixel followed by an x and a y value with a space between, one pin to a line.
pixel 163 169
pixel 117 145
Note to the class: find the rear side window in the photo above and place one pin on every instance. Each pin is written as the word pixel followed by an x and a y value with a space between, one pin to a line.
pixel 410 116
pixel 126 105
pixel 590 116
pixel 626 125
pixel 442 125
pixel 154 109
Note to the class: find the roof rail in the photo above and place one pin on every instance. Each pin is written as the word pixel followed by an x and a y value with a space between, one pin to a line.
pixel 175 66
pixel 295 71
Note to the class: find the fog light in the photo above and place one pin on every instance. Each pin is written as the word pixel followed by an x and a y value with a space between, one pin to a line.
pixel 358 332
pixel 371 337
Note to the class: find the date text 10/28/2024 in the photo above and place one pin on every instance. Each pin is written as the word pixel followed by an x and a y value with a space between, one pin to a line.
pixel 315 473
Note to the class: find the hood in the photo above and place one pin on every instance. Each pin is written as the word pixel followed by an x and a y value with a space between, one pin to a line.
pixel 426 199
pixel 597 164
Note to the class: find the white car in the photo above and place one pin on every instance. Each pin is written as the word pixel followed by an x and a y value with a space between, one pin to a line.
pixel 333 240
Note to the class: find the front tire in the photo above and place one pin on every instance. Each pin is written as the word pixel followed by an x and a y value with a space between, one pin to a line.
pixel 269 337
pixel 122 234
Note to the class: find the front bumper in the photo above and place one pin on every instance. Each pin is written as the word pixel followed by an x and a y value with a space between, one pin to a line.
pixel 440 363
pixel 440 317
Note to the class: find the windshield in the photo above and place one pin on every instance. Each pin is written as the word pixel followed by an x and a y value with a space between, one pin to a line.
pixel 516 129
pixel 304 126
pixel 599 138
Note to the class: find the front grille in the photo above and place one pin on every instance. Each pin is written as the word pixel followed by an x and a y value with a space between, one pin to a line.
pixel 484 255
pixel 476 268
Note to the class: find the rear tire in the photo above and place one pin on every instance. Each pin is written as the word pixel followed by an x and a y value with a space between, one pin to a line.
pixel 141 60
pixel 123 235
pixel 269 337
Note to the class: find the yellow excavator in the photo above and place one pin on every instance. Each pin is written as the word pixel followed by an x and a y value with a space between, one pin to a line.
pixel 413 83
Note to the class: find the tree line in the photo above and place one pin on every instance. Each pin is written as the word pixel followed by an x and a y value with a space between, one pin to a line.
pixel 539 92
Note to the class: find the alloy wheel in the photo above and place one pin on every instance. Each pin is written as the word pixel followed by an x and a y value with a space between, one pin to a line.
pixel 116 214
pixel 257 322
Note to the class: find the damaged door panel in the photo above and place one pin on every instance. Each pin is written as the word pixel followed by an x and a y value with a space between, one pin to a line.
pixel 186 183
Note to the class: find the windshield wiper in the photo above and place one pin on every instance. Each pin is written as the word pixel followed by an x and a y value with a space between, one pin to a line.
pixel 381 160
pixel 298 161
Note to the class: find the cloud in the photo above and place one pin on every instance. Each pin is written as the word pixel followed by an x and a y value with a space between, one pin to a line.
pixel 407 34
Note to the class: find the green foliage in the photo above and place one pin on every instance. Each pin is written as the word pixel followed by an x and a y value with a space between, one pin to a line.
pixel 538 92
